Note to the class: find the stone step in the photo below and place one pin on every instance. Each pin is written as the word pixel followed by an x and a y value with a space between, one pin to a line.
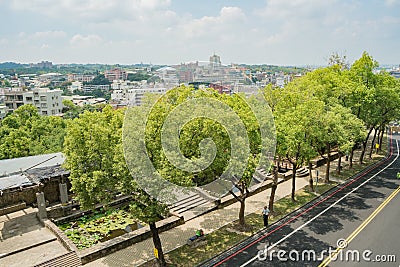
pixel 184 201
pixel 302 172
pixel 198 211
pixel 69 259
pixel 192 205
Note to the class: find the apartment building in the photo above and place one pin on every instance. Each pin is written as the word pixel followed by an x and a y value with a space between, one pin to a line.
pixel 88 88
pixel 12 98
pixel 81 77
pixel 75 86
pixel 48 102
pixel 133 96
pixel 115 74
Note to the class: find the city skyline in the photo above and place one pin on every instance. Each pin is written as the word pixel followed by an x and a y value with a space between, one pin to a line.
pixel 278 32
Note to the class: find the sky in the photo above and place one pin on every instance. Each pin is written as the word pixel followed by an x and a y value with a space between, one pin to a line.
pixel 279 32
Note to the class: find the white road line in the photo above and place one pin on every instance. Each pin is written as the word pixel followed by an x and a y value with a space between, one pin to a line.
pixel 325 210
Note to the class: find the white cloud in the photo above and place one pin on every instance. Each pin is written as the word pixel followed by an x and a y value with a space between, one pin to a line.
pixel 45 46
pixel 228 21
pixel 3 41
pixel 392 2
pixel 49 34
pixel 79 40
pixel 91 10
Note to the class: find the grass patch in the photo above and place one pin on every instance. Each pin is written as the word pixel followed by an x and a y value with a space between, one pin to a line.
pixel 348 172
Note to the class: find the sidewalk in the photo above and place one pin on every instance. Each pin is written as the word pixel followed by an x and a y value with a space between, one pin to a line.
pixel 141 252
pixel 24 241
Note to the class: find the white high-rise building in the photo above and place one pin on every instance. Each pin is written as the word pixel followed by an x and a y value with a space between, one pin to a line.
pixel 48 102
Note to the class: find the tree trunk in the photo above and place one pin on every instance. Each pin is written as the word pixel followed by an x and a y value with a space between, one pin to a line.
pixel 241 212
pixel 378 138
pixel 157 244
pixel 364 146
pixel 381 137
pixel 244 193
pixel 273 191
pixel 294 168
pixel 311 178
pixel 279 163
pixel 351 156
pixel 328 164
pixel 372 144
pixel 339 166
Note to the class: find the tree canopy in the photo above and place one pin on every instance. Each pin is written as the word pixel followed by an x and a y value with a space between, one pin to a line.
pixel 26 133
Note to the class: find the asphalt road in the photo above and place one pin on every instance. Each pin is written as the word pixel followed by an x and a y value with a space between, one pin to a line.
pixel 378 243
pixel 337 218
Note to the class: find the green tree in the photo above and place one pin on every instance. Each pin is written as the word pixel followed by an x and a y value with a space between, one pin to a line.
pixel 201 128
pixel 294 127
pixel 99 80
pixel 98 171
pixel 25 133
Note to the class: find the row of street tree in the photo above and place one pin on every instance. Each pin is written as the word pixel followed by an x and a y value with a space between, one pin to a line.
pixel 334 108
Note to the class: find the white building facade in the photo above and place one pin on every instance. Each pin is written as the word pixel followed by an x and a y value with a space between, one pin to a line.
pixel 48 102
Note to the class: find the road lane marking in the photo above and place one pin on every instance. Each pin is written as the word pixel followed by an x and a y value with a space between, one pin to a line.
pixel 325 210
pixel 361 227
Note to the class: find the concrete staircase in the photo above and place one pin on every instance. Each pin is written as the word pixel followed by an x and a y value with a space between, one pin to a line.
pixel 193 205
pixel 69 259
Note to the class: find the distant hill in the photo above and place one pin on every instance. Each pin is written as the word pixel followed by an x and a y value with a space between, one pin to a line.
pixel 11 65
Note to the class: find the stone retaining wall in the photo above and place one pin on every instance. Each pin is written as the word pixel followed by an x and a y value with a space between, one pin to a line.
pixel 13 208
pixel 15 196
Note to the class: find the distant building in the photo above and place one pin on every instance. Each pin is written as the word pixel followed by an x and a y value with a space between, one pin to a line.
pixel 215 61
pixel 88 88
pixel 12 97
pixel 168 75
pixel 123 85
pixel 186 71
pixel 42 65
pixel 48 102
pixel 85 78
pixel 133 95
pixel 75 86
pixel 115 74
pixel 395 72
pixel 3 112
pixel 79 100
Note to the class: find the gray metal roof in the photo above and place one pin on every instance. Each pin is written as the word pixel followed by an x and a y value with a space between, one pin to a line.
pixel 16 165
pixel 12 181
pixel 27 171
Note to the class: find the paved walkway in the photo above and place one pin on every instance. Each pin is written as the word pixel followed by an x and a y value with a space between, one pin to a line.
pixel 24 241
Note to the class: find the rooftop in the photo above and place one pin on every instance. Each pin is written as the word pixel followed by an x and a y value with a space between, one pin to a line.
pixel 20 172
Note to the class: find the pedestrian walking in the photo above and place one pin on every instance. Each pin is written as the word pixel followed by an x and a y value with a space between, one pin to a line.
pixel 265 214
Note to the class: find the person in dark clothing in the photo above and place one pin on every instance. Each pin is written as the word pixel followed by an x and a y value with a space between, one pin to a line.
pixel 265 214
